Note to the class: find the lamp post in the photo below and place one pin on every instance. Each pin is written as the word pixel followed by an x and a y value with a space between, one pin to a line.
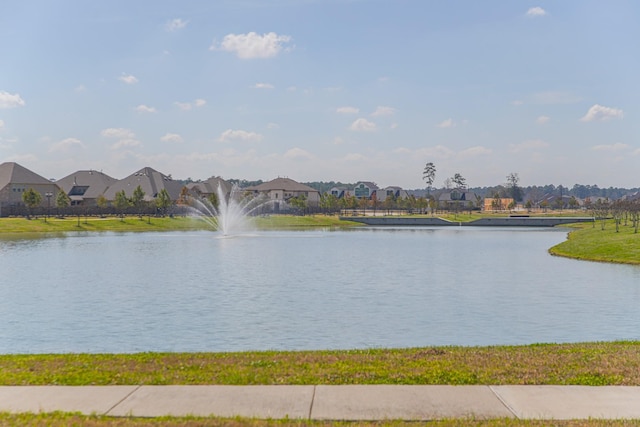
pixel 48 195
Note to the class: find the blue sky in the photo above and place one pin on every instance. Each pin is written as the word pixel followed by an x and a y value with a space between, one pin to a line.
pixel 320 90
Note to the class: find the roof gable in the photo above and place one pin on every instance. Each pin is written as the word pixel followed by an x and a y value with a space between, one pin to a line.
pixel 11 172
pixel 285 184
pixel 150 180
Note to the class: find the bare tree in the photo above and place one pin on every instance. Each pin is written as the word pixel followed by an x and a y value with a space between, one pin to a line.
pixel 515 191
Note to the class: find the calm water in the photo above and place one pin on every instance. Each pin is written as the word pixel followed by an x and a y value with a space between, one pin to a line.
pixel 195 291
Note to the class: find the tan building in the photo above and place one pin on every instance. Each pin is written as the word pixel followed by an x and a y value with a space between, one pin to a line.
pixel 285 189
pixel 497 204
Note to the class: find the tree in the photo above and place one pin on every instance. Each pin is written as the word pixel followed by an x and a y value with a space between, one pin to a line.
pixel 214 200
pixel 429 175
pixel 121 203
pixel 31 198
pixel 459 181
pixel 514 190
pixel 137 199
pixel 62 200
pixel 102 203
pixel 163 201
pixel 299 203
pixel 183 199
pixel 363 203
pixel 496 203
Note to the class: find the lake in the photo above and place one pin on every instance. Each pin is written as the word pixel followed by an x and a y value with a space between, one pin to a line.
pixel 321 289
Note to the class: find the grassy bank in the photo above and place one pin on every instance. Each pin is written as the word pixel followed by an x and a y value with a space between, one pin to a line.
pixel 591 243
pixel 145 223
pixel 614 363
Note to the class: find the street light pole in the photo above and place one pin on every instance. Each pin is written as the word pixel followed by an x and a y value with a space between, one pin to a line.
pixel 48 195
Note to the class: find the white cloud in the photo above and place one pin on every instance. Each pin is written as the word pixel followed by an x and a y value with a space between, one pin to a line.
pixel 384 111
pixel 1 124
pixel 252 45
pixel 8 100
pixel 542 120
pixel 436 152
pixel 517 103
pixel 297 153
pixel 263 86
pixel 363 125
pixel 601 113
pixel 127 142
pixel 172 137
pixel 446 124
pixel 348 110
pixel 353 157
pixel 175 25
pixel 117 133
pixel 393 126
pixel 80 88
pixel 125 137
pixel 66 144
pixel 185 106
pixel 475 151
pixel 535 12
pixel 555 97
pixel 145 109
pixel 128 79
pixel 612 147
pixel 273 126
pixel 239 135
pixel 532 144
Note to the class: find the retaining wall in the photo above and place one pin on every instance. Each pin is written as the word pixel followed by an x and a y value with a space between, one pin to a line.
pixel 483 222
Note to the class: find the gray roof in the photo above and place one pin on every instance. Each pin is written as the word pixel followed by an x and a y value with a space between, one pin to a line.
pixel 150 180
pixel 285 184
pixel 11 172
pixel 210 186
pixel 97 182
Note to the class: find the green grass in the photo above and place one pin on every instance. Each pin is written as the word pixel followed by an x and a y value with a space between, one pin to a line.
pixel 591 243
pixel 134 223
pixel 614 363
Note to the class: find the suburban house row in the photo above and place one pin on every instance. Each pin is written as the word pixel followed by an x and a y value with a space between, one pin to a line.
pixel 84 187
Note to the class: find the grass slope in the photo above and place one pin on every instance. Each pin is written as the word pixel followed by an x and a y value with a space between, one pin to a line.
pixel 591 243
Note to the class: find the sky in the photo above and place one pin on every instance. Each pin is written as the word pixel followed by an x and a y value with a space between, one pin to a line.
pixel 324 90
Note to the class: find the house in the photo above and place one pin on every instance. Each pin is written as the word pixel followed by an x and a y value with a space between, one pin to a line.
pixel 457 199
pixel 16 179
pixel 85 186
pixel 338 192
pixel 205 189
pixel 150 180
pixel 364 190
pixel 285 189
pixel 392 191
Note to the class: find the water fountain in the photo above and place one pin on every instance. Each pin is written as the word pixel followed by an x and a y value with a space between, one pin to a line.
pixel 232 213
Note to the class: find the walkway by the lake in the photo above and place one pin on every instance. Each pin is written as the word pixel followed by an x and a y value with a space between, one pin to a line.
pixel 326 402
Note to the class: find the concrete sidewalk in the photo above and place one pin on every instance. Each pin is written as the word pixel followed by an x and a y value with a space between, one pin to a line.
pixel 323 402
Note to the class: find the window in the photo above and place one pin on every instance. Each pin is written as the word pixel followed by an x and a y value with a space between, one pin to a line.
pixel 78 190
